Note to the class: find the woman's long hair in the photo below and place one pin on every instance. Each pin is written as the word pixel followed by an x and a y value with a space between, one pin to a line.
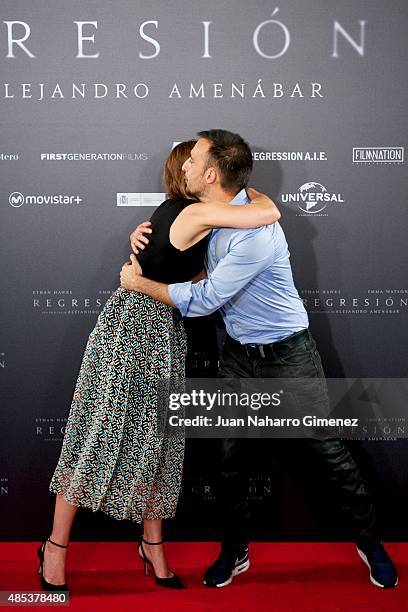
pixel 173 176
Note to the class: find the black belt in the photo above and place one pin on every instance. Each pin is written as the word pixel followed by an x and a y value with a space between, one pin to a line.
pixel 256 351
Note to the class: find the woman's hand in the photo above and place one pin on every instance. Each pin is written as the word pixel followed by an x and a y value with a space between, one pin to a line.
pixel 253 193
pixel 199 277
pixel 137 239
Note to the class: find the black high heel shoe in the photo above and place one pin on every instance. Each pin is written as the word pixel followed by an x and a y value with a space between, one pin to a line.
pixel 48 586
pixel 173 582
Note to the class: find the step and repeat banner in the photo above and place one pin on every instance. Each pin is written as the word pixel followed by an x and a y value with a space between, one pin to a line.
pixel 93 95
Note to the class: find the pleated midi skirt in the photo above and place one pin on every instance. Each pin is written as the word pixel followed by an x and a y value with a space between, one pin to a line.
pixel 112 457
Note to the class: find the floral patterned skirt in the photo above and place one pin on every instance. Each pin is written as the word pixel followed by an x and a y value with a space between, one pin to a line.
pixel 112 458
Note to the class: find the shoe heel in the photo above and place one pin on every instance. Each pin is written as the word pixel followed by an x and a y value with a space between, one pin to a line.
pixel 173 582
pixel 48 586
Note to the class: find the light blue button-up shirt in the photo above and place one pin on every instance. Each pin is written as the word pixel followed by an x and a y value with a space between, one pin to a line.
pixel 250 280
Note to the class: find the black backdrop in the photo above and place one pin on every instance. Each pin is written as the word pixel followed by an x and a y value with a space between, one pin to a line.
pixel 62 257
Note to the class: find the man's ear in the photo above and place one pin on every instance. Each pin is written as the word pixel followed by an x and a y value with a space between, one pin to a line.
pixel 211 176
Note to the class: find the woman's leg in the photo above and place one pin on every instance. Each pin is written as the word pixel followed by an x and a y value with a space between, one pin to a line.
pixel 54 556
pixel 152 532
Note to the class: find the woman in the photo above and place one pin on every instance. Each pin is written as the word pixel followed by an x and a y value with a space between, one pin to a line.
pixel 112 458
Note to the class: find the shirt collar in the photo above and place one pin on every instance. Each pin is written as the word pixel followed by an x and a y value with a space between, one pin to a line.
pixel 240 198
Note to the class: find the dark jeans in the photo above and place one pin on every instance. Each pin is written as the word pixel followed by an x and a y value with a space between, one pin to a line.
pixel 296 356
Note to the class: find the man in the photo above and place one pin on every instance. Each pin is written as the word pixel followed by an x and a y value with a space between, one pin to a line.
pixel 250 281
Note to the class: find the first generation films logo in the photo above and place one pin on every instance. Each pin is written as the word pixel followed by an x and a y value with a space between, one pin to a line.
pixel 378 155
pixel 17 199
pixel 140 199
pixel 93 157
pixel 312 199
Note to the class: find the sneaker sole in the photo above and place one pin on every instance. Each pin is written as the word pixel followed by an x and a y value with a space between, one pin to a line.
pixel 373 580
pixel 240 569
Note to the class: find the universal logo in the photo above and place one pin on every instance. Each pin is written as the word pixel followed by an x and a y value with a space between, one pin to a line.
pixel 140 199
pixel 8 157
pixel 2 361
pixel 312 199
pixel 289 156
pixel 4 486
pixel 50 429
pixel 17 199
pixel 94 157
pixel 378 155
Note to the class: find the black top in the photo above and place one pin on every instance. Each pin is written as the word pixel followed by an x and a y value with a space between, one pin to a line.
pixel 160 260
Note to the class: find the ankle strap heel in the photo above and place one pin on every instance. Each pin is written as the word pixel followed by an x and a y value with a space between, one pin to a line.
pixel 173 582
pixel 49 586
pixel 152 543
pixel 55 544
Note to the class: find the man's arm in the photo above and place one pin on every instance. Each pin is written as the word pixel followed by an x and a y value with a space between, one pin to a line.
pixel 246 259
pixel 157 291
pixel 131 277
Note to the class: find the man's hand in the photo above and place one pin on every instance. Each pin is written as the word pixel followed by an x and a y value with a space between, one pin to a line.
pixel 137 238
pixel 130 274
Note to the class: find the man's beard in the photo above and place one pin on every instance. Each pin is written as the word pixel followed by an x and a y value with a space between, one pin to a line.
pixel 194 193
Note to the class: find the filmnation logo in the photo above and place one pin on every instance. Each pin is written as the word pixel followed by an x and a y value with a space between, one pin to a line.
pixel 378 155
pixel 17 199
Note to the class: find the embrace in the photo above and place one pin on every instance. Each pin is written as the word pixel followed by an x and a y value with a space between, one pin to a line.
pixel 213 244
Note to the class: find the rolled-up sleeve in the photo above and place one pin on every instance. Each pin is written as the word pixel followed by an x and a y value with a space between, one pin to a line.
pixel 247 258
pixel 180 294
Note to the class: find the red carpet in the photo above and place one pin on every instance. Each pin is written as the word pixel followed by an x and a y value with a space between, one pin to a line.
pixel 283 576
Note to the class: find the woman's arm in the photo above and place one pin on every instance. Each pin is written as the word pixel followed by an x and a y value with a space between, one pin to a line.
pixel 261 211
pixel 196 219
